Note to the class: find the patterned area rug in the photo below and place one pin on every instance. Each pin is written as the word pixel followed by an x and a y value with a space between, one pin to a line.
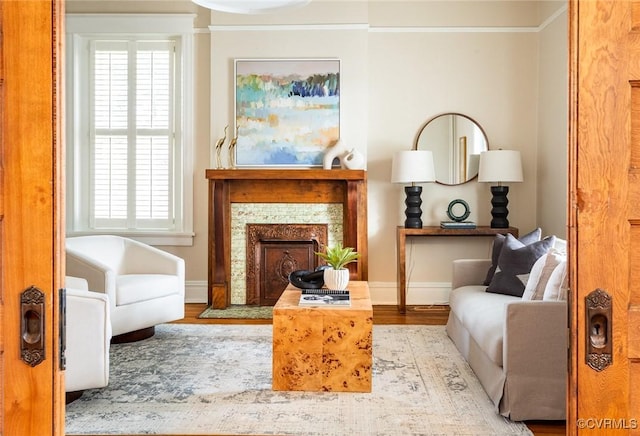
pixel 239 311
pixel 216 379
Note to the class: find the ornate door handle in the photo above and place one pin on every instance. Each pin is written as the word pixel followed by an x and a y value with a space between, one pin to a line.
pixel 598 324
pixel 32 329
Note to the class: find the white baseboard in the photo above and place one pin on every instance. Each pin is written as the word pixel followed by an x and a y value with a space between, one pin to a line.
pixel 418 294
pixel 195 291
pixel 382 293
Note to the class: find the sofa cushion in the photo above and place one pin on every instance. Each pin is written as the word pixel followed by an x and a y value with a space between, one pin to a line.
pixel 515 263
pixel 133 288
pixel 482 314
pixel 557 285
pixel 540 273
pixel 498 242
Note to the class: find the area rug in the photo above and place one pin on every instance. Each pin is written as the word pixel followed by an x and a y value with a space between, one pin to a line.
pixel 239 311
pixel 216 379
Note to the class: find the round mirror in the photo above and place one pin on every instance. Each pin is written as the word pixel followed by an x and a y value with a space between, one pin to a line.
pixel 456 142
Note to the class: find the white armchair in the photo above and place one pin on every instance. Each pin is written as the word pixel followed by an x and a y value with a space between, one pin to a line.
pixel 145 285
pixel 88 336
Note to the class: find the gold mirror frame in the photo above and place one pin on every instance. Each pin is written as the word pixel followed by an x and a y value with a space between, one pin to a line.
pixel 456 142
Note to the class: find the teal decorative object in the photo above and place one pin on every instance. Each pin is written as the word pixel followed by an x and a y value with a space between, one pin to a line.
pixel 454 215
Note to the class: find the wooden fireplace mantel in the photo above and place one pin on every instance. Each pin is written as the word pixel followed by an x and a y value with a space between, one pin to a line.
pixel 347 187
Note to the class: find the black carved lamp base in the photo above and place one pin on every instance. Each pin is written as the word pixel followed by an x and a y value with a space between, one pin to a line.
pixel 499 211
pixel 413 211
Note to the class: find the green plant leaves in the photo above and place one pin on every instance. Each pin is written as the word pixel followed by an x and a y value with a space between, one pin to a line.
pixel 338 256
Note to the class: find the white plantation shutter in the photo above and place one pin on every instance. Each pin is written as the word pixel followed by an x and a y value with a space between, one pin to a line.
pixel 129 113
pixel 133 111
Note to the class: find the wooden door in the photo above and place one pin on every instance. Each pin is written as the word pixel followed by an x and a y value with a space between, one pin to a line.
pixel 30 216
pixel 604 218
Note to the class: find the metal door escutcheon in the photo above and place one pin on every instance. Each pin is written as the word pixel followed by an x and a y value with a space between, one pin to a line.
pixel 32 326
pixel 598 324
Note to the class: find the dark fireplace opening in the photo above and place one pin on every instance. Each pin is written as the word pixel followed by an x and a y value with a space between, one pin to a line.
pixel 273 252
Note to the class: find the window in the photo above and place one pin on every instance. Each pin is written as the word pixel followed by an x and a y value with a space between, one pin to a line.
pixel 128 161
pixel 131 139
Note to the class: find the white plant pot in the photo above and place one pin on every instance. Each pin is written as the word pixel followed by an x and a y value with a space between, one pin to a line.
pixel 336 278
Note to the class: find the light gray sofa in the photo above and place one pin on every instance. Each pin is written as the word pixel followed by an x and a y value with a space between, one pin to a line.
pixel 517 348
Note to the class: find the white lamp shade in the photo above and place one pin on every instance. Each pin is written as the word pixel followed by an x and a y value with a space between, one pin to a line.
pixel 412 166
pixel 250 6
pixel 500 166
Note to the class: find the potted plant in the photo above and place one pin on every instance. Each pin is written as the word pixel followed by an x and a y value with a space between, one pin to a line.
pixel 337 257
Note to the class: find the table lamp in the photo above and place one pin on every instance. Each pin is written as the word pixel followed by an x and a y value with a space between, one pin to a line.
pixel 500 166
pixel 411 167
pixel 250 6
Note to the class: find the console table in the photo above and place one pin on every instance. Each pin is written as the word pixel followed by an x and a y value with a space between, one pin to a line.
pixel 401 244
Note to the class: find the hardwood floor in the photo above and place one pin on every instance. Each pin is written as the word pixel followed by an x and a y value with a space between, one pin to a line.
pixel 425 315
pixel 421 315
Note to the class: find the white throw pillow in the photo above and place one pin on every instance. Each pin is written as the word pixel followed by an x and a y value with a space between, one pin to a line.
pixel 534 278
pixel 557 286
pixel 561 246
pixel 540 274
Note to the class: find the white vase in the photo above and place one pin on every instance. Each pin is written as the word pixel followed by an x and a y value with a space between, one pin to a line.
pixel 336 278
pixel 353 160
pixel 336 151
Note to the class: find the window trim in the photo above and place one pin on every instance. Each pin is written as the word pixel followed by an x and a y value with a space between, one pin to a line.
pixel 79 26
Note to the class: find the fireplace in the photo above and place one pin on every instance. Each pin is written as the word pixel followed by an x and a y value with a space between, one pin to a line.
pixel 246 215
pixel 274 251
pixel 227 188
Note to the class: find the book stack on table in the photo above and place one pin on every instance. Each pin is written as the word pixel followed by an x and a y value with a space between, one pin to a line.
pixel 322 297
pixel 457 224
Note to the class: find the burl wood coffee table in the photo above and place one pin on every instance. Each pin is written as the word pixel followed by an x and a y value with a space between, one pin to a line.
pixel 323 348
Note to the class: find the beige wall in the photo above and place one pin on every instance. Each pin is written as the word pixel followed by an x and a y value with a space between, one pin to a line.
pixel 401 64
pixel 552 127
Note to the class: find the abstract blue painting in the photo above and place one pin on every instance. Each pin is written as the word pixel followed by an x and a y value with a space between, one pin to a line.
pixel 287 111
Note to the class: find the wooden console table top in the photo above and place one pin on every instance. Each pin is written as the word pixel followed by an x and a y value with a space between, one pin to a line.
pixel 401 243
pixel 320 348
pixel 439 231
